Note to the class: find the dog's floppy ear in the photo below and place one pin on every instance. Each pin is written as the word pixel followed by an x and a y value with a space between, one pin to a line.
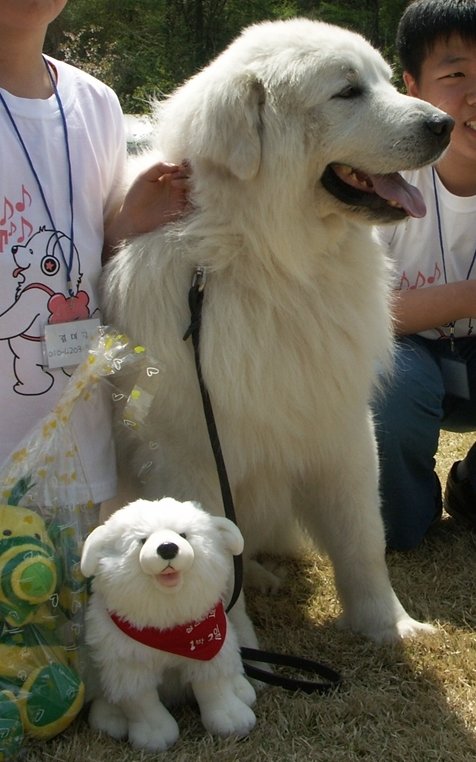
pixel 231 534
pixel 233 127
pixel 92 551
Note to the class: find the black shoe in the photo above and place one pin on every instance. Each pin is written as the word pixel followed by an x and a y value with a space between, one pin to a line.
pixel 460 498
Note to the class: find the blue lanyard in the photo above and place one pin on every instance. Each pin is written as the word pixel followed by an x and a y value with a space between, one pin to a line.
pixel 68 263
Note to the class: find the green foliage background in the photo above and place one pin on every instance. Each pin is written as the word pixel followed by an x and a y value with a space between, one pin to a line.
pixel 143 48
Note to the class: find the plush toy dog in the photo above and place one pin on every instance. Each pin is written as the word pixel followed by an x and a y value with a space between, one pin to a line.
pixel 156 615
pixel 40 692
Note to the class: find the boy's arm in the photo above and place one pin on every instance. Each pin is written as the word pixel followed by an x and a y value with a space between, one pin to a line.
pixel 419 309
pixel 157 196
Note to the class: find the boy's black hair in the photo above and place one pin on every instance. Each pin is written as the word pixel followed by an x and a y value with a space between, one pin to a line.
pixel 424 22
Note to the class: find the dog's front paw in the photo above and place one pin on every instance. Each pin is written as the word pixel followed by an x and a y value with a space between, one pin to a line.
pixel 388 631
pixel 222 712
pixel 108 718
pixel 229 718
pixel 261 579
pixel 158 737
pixel 409 628
pixel 244 690
pixel 151 726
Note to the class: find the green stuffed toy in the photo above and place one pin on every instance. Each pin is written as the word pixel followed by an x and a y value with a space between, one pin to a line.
pixel 40 692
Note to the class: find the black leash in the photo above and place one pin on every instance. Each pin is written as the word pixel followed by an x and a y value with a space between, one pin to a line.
pixel 286 660
pixel 195 301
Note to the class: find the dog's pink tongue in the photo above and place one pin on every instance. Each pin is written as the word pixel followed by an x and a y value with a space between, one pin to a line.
pixel 394 188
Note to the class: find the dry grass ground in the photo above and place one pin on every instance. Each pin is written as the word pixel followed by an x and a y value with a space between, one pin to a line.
pixel 413 702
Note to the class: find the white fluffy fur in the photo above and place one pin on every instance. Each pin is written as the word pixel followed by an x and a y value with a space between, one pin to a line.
pixel 123 556
pixel 295 315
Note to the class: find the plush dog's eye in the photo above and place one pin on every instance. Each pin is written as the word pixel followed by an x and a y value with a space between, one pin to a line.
pixel 143 540
pixel 348 92
pixel 184 535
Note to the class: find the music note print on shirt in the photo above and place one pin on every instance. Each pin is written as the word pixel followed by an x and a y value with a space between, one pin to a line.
pixel 13 219
pixel 20 206
pixel 420 279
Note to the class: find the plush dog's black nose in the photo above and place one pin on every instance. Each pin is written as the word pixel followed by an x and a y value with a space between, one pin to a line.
pixel 167 550
pixel 440 125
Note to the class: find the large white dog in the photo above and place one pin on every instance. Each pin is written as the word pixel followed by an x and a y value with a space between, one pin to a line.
pixel 294 135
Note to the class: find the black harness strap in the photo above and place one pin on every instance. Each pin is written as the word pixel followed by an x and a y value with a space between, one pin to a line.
pixel 195 301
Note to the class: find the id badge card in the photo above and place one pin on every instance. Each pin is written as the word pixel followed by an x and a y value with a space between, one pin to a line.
pixel 67 344
pixel 455 376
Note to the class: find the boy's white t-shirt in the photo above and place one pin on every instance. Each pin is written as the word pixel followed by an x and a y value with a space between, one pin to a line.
pixel 421 258
pixel 32 265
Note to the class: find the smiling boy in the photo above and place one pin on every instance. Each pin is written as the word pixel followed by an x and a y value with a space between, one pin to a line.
pixel 434 385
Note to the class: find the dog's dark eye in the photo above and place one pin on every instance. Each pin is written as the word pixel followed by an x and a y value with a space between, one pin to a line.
pixel 184 535
pixel 143 540
pixel 349 92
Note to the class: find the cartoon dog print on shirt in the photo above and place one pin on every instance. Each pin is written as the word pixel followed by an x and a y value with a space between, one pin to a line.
pixel 41 273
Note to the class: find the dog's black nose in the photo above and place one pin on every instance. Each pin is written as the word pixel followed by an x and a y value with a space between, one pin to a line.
pixel 167 550
pixel 440 125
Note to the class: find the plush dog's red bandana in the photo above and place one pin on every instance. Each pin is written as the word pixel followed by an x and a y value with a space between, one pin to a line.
pixel 202 639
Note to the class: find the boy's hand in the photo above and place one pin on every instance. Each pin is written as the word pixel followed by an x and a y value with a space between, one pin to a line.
pixel 157 196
